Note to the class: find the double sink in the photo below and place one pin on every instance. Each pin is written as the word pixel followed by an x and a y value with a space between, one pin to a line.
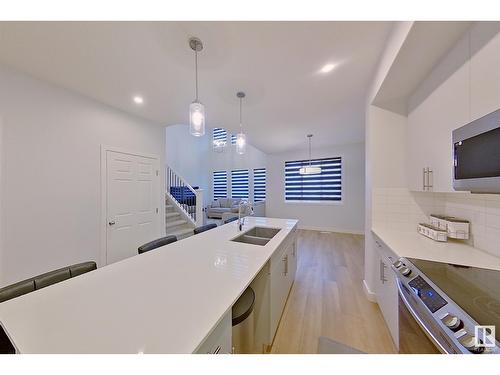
pixel 257 236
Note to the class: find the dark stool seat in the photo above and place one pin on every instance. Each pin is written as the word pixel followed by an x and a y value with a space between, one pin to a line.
pixel 156 244
pixel 243 306
pixel 204 228
pixel 44 280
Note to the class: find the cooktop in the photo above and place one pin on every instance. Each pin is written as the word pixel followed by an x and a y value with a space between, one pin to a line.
pixel 475 290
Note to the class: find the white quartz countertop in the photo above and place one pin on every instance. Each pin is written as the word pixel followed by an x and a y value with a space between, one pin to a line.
pixel 164 301
pixel 414 245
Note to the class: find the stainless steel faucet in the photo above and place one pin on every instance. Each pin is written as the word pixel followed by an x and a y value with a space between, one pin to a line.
pixel 241 220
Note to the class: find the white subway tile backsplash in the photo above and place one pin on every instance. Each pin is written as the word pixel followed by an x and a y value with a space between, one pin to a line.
pixel 401 209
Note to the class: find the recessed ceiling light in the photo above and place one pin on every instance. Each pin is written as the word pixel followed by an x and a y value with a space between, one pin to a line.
pixel 327 68
pixel 138 99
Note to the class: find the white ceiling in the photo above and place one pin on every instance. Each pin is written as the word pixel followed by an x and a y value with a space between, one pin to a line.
pixel 276 63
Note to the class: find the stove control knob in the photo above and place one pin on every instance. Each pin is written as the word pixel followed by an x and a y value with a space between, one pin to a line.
pixel 452 322
pixel 469 342
pixel 405 271
pixel 397 264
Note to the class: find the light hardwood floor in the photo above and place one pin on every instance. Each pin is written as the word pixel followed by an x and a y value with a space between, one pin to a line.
pixel 327 298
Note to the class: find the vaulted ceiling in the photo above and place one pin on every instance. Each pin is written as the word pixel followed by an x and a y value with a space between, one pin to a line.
pixel 277 64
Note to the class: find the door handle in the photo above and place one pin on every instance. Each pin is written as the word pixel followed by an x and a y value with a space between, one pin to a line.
pixel 112 222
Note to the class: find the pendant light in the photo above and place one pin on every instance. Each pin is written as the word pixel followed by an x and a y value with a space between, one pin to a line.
pixel 196 109
pixel 241 138
pixel 309 169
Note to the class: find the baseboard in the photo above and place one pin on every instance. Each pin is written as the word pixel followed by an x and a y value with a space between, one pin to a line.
pixel 329 229
pixel 370 296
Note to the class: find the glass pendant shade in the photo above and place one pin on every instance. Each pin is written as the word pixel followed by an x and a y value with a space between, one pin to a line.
pixel 241 143
pixel 197 119
pixel 310 170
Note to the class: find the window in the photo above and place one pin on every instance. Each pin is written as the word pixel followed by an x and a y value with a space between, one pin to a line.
pixel 326 186
pixel 220 184
pixel 239 183
pixel 219 137
pixel 259 184
pixel 233 139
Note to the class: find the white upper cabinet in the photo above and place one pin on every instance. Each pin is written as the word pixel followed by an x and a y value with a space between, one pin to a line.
pixel 485 72
pixel 464 86
pixel 432 121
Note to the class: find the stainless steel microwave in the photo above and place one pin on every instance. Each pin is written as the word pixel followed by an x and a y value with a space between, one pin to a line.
pixel 476 155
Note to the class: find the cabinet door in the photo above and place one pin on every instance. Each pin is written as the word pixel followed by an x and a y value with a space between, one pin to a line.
pixel 485 75
pixel 280 285
pixel 387 296
pixel 430 127
pixel 292 266
pixel 418 149
pixel 219 341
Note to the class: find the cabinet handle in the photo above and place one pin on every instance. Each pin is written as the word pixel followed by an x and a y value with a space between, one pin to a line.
pixel 382 272
pixel 424 179
pixel 285 260
pixel 294 251
pixel 430 179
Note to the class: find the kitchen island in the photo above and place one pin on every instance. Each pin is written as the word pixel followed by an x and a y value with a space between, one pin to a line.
pixel 169 300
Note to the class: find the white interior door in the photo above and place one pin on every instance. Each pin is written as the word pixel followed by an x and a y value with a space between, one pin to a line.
pixel 132 203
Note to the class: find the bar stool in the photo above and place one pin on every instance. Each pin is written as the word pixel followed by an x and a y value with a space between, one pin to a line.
pixel 156 244
pixel 204 228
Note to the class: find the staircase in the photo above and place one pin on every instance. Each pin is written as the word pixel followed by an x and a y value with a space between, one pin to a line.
pixel 183 206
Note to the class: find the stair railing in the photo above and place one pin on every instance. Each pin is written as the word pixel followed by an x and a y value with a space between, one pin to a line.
pixel 187 198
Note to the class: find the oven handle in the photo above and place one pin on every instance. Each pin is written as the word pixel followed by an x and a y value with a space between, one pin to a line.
pixel 419 321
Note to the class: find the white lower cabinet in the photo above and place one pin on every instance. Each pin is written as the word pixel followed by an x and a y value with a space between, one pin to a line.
pixel 280 286
pixel 219 341
pixel 272 286
pixel 283 270
pixel 387 290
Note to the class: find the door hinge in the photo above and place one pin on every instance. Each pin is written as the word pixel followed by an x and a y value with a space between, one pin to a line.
pixel 157 172
pixel 156 210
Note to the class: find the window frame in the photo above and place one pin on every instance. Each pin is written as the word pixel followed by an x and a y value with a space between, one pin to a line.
pixel 317 202
pixel 253 184
pixel 213 184
pixel 248 183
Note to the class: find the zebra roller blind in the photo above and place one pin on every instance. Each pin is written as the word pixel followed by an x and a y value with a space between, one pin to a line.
pixel 220 184
pixel 219 134
pixel 326 186
pixel 239 183
pixel 259 184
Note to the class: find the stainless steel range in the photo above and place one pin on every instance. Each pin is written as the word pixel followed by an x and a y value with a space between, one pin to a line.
pixel 447 308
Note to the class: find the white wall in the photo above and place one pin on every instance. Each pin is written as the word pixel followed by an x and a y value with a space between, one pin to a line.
pixel 194 159
pixel 385 158
pixel 230 160
pixel 50 165
pixel 345 217
pixel 187 155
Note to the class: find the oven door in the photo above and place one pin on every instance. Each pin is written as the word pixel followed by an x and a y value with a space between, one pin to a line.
pixel 415 336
